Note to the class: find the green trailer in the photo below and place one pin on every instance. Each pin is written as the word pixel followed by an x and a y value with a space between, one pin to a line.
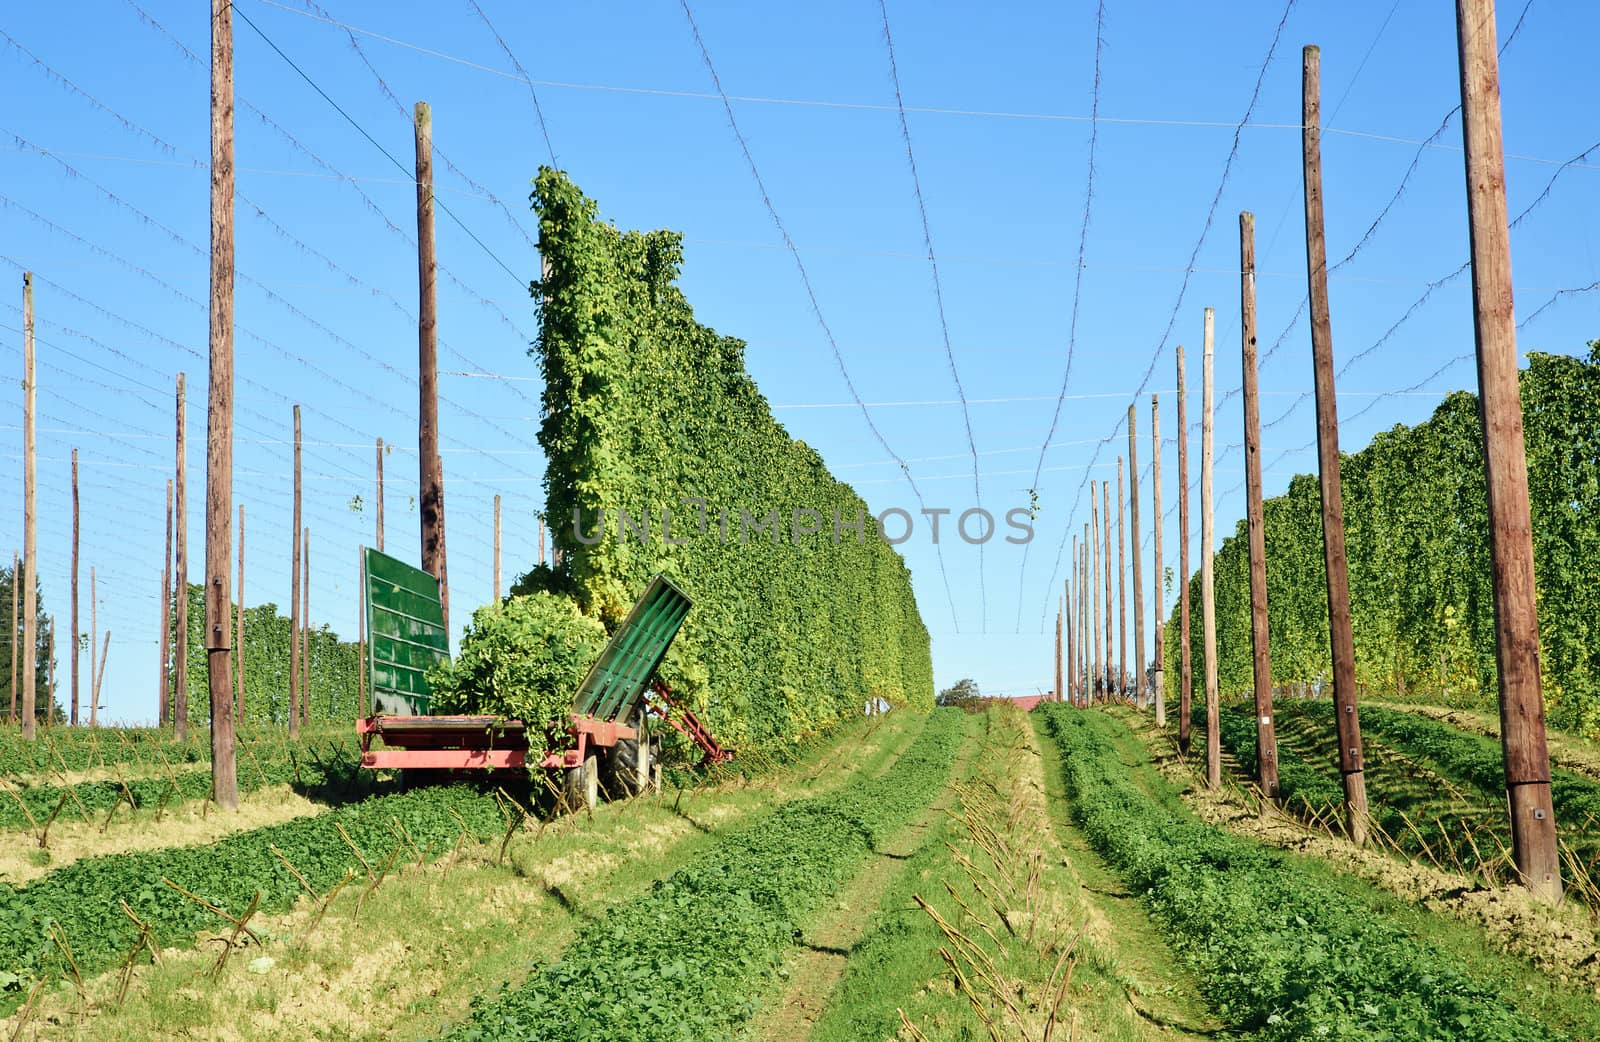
pixel 606 732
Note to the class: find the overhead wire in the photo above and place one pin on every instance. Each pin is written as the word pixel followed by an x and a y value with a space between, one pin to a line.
pixel 811 294
pixel 1077 284
pixel 938 294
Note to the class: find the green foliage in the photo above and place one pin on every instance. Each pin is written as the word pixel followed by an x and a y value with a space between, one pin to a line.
pixel 1281 954
pixel 82 898
pixel 961 692
pixel 1417 528
pixel 1472 761
pixel 42 702
pixel 334 668
pixel 522 658
pixel 649 412
pixel 689 960
pixel 312 767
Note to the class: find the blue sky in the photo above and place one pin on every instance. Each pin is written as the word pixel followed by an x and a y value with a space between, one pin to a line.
pixel 113 221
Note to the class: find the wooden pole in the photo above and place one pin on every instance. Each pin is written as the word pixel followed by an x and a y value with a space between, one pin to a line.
pixel 1158 682
pixel 497 549
pixel 1063 694
pixel 379 544
pixel 1061 609
pixel 164 691
pixel 1208 590
pixel 94 635
pixel 1141 693
pixel 30 518
pixel 1340 639
pixel 1094 524
pixel 180 588
pixel 219 422
pixel 294 592
pixel 430 501
pixel 1122 589
pixel 73 643
pixel 1522 728
pixel 1071 693
pixel 238 640
pixel 1185 668
pixel 1266 736
pixel 50 669
pixel 1105 499
pixel 541 540
pixel 305 627
pixel 11 635
pixel 99 676
pixel 1084 598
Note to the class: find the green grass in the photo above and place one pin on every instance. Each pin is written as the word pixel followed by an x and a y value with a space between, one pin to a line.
pixel 431 937
pixel 1282 955
pixel 689 960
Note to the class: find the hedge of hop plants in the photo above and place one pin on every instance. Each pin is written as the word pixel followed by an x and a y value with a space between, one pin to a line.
pixel 1416 517
pixel 647 411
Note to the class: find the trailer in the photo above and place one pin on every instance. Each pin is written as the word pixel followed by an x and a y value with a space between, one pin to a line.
pixel 603 743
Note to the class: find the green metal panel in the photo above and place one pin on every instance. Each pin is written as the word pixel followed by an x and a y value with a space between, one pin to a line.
pixel 617 679
pixel 405 634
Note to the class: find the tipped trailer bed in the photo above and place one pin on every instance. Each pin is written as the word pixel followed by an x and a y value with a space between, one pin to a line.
pixel 606 732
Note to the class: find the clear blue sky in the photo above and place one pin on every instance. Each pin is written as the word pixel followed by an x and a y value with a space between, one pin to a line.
pixel 327 277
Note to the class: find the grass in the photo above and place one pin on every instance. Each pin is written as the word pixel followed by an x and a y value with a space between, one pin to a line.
pixel 1533 954
pixel 1028 913
pixel 411 955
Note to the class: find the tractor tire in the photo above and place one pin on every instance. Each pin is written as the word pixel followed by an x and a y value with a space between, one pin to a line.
pixel 580 786
pixel 631 765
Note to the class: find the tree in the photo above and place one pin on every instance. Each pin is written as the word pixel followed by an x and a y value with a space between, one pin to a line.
pixel 43 701
pixel 961 692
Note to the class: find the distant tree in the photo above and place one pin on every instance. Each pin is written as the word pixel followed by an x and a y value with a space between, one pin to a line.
pixel 42 701
pixel 961 693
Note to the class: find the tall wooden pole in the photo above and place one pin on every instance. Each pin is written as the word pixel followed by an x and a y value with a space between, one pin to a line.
pixel 1061 609
pixel 1516 619
pixel 94 635
pixel 1158 682
pixel 30 517
pixel 430 501
pixel 1087 578
pixel 238 638
pixel 1185 668
pixel 305 626
pixel 219 423
pixel 541 540
pixel 164 696
pixel 1063 694
pixel 1122 588
pixel 11 635
pixel 1094 580
pixel 1077 588
pixel 180 588
pixel 379 544
pixel 1208 589
pixel 1255 522
pixel 1340 639
pixel 497 549
pixel 73 643
pixel 1141 692
pixel 1105 500
pixel 294 592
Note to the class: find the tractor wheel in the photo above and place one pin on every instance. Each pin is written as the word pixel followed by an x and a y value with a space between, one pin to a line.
pixel 631 765
pixel 580 786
